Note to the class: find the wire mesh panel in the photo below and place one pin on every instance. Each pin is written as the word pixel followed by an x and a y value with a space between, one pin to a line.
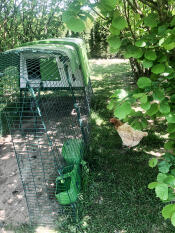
pixel 44 104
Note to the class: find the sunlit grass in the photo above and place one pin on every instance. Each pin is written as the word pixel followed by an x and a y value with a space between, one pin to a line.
pixel 118 199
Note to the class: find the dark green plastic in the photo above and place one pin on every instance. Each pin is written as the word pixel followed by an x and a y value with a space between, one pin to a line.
pixel 68 185
pixel 73 150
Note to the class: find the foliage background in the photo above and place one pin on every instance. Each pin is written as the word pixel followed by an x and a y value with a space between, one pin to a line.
pixel 28 20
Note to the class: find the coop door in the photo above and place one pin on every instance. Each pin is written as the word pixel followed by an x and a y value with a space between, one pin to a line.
pixel 48 69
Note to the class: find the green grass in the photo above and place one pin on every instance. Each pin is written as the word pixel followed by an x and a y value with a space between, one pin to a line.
pixel 118 199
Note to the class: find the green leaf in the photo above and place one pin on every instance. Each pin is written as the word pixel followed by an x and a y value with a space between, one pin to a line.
pixel 150 55
pixel 113 50
pixel 111 105
pixel 164 166
pixel 163 58
pixel 153 162
pixel 134 52
pixel 161 177
pixel 151 20
pixel 162 191
pixel 140 43
pixel 119 22
pixel 144 99
pixel 144 82
pixel 173 22
pixel 147 64
pixel 146 106
pixel 169 46
pixel 114 41
pixel 75 24
pixel 169 43
pixel 172 98
pixel 110 3
pixel 162 29
pixel 153 109
pixel 67 15
pixel 169 145
pixel 171 128
pixel 138 95
pixel 158 69
pixel 171 118
pixel 136 125
pixel 173 218
pixel 170 180
pixel 142 96
pixel 152 185
pixel 164 107
pixel 168 211
pixel 171 195
pixel 137 114
pixel 144 123
pixel 172 136
pixel 173 172
pixel 159 94
pixel 123 110
pixel 114 31
pixel 169 157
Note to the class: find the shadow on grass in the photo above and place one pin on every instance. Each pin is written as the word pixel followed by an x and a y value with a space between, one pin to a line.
pixel 107 78
pixel 118 199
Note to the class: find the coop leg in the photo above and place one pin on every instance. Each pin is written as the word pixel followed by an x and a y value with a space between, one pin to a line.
pixel 75 212
pixel 77 220
pixel 1 130
pixel 22 109
pixel 80 122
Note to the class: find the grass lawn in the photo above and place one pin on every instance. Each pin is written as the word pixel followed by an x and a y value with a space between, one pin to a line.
pixel 117 199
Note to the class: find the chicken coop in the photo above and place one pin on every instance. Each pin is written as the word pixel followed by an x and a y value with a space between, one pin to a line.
pixel 45 94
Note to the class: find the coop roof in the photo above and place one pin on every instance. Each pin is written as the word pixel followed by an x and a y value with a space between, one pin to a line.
pixel 74 48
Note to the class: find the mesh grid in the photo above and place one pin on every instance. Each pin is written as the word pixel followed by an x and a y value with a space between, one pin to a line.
pixel 43 103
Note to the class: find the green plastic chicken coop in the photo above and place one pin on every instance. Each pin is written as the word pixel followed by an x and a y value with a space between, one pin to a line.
pixel 45 94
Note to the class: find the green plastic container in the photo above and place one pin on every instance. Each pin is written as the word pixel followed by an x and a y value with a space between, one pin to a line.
pixel 68 185
pixel 73 151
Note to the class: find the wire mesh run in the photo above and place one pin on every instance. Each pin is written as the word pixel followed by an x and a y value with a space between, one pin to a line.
pixel 44 104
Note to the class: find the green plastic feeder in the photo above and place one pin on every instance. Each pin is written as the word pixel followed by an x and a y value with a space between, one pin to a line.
pixel 68 185
pixel 73 150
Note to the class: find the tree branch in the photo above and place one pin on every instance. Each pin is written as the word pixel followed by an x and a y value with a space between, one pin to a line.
pixel 151 4
pixel 134 8
pixel 98 13
pixel 128 21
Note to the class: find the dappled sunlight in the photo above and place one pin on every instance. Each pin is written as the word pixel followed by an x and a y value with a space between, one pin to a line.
pixel 45 230
pixel 13 208
pixel 109 75
pixel 98 120
pixel 158 153
pixel 119 177
pixel 107 62
pixel 162 135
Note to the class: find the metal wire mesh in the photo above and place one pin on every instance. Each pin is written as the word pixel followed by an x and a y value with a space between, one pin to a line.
pixel 43 103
